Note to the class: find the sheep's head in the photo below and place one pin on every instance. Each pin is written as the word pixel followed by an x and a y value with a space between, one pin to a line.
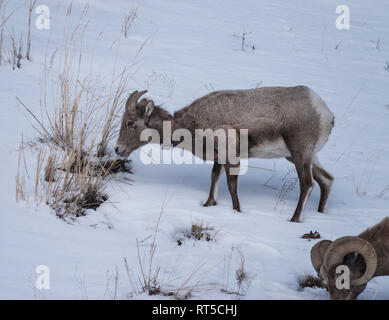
pixel 357 258
pixel 134 121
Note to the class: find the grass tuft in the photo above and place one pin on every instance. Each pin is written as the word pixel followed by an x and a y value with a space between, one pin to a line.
pixel 198 232
pixel 76 123
pixel 309 281
pixel 311 235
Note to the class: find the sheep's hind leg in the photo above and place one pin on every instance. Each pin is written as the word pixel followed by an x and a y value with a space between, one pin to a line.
pixel 232 183
pixel 325 181
pixel 303 166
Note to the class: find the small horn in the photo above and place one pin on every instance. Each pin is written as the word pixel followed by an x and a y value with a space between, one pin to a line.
pixel 342 246
pixel 133 98
pixel 317 253
pixel 130 99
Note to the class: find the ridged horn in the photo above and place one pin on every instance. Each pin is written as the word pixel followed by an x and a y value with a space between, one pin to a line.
pixel 133 99
pixel 342 246
pixel 317 254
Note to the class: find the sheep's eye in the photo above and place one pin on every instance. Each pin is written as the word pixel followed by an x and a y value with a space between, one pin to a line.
pixel 130 123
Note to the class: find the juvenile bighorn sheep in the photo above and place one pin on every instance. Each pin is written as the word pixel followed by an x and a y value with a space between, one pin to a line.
pixel 290 122
pixel 366 256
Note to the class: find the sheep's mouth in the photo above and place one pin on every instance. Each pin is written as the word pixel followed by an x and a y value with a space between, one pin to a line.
pixel 122 152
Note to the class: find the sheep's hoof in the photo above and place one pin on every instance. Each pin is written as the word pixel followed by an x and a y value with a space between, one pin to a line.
pixel 321 210
pixel 209 203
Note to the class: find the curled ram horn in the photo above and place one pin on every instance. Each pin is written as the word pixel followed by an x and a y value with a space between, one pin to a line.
pixel 345 245
pixel 317 254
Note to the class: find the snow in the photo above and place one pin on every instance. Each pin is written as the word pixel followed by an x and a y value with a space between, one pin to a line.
pixel 193 48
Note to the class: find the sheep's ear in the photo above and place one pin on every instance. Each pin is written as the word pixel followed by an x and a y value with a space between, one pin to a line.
pixel 149 109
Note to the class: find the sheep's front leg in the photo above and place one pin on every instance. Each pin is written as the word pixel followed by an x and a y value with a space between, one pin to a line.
pixel 215 175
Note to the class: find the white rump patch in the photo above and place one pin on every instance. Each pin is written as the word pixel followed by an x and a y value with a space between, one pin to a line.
pixel 326 118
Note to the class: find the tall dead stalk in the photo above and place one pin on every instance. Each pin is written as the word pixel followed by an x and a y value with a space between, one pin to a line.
pixel 28 46
pixel 2 23
pixel 128 22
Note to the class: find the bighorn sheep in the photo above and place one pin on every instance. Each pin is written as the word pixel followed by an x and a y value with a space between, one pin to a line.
pixel 290 122
pixel 366 256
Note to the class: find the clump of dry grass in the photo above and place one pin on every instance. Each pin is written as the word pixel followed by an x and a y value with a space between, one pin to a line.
pixel 66 183
pixel 311 235
pixel 90 198
pixel 12 52
pixel 16 54
pixel 109 167
pixel 74 164
pixel 3 20
pixel 199 231
pixel 309 281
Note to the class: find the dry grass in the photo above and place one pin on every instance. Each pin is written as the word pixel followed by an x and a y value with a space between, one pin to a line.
pixel 28 46
pixel 311 235
pixel 3 20
pixel 112 278
pixel 309 281
pixel 2 25
pixel 288 184
pixel 15 53
pixel 383 192
pixel 73 164
pixel 240 272
pixel 2 16
pixel 148 279
pixel 20 179
pixel 128 21
pixel 152 283
pixel 11 51
pixel 242 279
pixel 199 231
pixel 358 188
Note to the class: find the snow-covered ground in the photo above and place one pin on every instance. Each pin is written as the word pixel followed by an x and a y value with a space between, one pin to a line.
pixel 194 47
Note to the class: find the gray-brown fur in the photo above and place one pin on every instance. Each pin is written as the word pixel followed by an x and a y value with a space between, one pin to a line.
pixel 376 240
pixel 378 236
pixel 290 122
